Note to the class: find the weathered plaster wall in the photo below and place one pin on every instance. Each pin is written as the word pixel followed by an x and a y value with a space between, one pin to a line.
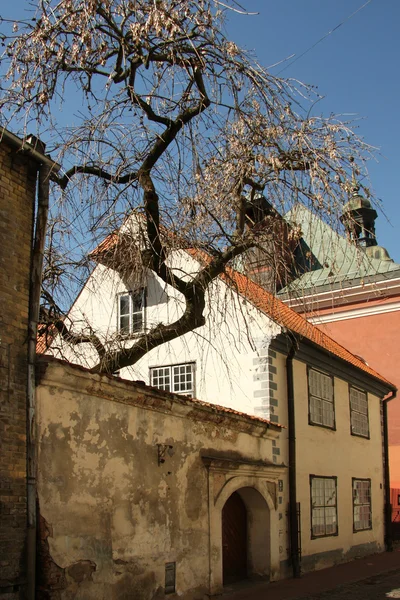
pixel 112 517
pixel 327 452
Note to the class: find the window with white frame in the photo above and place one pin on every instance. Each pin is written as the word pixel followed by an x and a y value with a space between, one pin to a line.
pixel 362 504
pixel 175 378
pixel 131 312
pixel 321 399
pixel 358 412
pixel 323 496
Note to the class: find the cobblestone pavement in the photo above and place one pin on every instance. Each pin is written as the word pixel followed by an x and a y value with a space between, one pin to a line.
pixel 375 577
pixel 379 587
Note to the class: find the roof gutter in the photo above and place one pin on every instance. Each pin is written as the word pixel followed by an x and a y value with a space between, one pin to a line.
pixel 27 148
pixel 321 296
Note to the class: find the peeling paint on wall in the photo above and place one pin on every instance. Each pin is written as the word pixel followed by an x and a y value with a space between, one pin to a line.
pixel 112 514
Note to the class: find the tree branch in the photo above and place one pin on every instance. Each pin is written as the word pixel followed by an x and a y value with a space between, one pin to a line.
pixel 190 320
pixel 67 334
pixel 93 170
pixel 151 115
pixel 168 136
pixel 80 338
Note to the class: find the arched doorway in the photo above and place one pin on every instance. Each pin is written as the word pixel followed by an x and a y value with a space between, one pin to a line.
pixel 234 539
pixel 258 491
pixel 246 536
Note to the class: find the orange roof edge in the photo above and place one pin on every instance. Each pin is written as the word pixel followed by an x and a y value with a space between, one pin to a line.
pixel 288 318
pixel 272 307
pixel 285 316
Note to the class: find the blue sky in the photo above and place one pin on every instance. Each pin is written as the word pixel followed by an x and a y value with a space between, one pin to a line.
pixel 356 69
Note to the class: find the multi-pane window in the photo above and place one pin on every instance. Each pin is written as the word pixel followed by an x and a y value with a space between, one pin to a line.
pixel 175 378
pixel 323 506
pixel 362 504
pixel 359 412
pixel 321 399
pixel 131 312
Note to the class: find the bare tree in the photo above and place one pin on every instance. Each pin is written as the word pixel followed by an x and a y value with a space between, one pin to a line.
pixel 166 117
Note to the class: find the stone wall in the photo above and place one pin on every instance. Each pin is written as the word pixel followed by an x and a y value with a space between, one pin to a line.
pixel 132 482
pixel 17 194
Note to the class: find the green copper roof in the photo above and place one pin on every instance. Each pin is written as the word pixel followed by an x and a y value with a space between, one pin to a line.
pixel 331 258
pixel 356 202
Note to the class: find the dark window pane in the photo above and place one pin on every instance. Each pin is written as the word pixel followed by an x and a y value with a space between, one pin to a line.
pixel 137 322
pixel 323 506
pixel 124 305
pixel 137 301
pixel 124 324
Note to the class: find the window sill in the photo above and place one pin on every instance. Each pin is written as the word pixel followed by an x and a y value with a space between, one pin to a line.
pixel 361 435
pixel 313 424
pixel 361 530
pixel 318 537
pixel 130 336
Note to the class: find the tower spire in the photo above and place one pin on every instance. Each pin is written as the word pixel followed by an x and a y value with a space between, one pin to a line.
pixel 358 216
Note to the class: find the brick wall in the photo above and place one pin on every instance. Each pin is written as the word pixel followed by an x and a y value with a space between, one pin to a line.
pixel 17 193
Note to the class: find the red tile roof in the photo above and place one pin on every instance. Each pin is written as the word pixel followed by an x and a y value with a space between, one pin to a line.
pixel 266 302
pixel 45 335
pixel 288 318
pixel 225 409
pixel 279 312
pixel 121 238
pixel 106 245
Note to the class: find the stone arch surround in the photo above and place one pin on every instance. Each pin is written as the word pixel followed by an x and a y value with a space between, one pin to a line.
pixel 257 486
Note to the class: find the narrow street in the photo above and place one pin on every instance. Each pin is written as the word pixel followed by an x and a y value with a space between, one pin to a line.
pixel 386 585
pixel 375 577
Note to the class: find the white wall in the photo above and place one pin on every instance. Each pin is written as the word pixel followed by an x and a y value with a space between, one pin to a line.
pixel 224 349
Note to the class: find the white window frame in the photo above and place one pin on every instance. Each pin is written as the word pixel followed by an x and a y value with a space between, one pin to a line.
pixel 362 509
pixel 178 379
pixel 321 399
pixel 359 418
pixel 135 324
pixel 323 502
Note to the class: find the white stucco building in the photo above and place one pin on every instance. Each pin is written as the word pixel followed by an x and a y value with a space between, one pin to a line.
pixel 255 355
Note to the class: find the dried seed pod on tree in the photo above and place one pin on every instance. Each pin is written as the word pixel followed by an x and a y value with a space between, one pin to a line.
pixel 164 116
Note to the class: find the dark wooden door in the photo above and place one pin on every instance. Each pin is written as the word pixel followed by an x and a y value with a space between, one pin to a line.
pixel 234 539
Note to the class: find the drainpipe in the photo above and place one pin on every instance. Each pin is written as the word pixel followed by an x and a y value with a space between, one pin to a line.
pixel 293 517
pixel 388 506
pixel 34 305
pixel 33 148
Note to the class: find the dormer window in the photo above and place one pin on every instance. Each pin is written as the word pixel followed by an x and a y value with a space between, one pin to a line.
pixel 131 306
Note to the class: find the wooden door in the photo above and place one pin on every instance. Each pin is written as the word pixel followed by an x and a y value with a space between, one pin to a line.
pixel 234 539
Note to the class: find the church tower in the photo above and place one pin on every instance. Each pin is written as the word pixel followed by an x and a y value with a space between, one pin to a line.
pixel 358 218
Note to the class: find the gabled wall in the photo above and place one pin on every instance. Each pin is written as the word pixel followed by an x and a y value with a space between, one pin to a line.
pixel 230 351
